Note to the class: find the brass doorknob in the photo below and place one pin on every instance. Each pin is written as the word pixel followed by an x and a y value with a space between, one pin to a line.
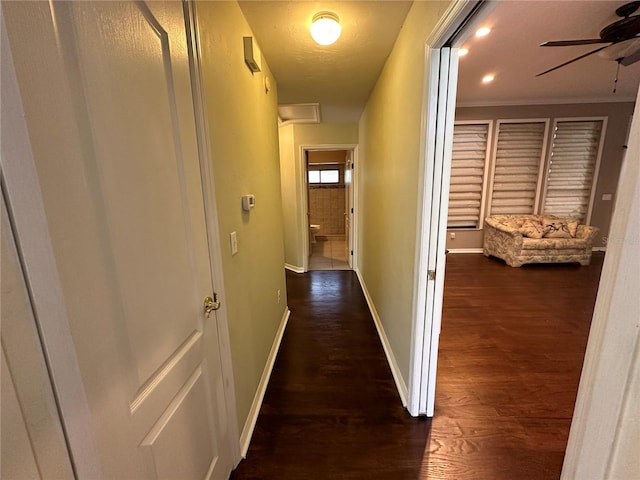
pixel 211 304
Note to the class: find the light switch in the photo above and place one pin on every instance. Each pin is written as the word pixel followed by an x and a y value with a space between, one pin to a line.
pixel 234 243
pixel 606 196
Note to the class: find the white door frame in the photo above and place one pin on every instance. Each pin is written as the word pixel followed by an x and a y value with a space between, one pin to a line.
pixel 439 99
pixel 212 224
pixel 303 187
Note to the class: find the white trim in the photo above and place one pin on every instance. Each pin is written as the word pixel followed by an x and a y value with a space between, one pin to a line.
pixel 212 221
pixel 456 13
pixel 425 176
pixel 386 346
pixel 293 268
pixel 599 249
pixel 601 443
pixel 27 215
pixel 548 101
pixel 454 251
pixel 252 418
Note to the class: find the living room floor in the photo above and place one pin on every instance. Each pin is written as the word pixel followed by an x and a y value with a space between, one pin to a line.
pixel 511 352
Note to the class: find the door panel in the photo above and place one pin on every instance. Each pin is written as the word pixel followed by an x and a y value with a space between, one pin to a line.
pixel 141 159
pixel 127 66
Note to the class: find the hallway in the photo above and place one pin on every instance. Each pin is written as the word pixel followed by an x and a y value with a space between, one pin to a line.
pixel 332 410
pixel 507 380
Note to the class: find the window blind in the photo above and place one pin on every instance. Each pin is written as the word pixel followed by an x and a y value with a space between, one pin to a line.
pixel 572 165
pixel 517 165
pixel 467 174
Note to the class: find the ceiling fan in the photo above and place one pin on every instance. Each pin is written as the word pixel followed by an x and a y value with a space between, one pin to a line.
pixel 621 38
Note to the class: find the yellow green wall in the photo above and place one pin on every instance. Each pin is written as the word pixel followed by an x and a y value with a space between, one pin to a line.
pixel 390 135
pixel 245 157
pixel 292 138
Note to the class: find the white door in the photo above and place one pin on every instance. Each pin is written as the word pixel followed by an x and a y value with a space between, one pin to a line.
pixel 443 68
pixel 33 444
pixel 110 115
pixel 348 214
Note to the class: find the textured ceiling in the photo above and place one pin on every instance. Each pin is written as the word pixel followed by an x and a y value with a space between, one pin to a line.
pixel 512 52
pixel 340 76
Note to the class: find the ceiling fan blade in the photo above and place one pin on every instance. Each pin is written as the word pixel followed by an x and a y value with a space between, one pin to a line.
pixel 631 59
pixel 568 43
pixel 573 60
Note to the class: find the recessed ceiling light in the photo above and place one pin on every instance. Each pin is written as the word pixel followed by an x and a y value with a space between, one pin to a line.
pixel 488 78
pixel 482 32
pixel 325 28
pixel 462 52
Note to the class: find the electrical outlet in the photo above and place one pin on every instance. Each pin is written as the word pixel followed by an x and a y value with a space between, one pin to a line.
pixel 452 235
pixel 278 297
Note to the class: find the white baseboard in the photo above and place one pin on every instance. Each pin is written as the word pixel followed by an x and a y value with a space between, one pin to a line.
pixel 293 268
pixel 464 250
pixel 250 424
pixel 393 364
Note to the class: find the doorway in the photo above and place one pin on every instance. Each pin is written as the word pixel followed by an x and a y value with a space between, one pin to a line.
pixel 329 181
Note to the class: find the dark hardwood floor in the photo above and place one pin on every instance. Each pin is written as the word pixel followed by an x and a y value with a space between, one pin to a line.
pixel 511 351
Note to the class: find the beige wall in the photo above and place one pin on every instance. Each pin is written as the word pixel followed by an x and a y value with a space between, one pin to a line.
pixel 292 138
pixel 390 136
pixel 327 208
pixel 245 156
pixel 619 116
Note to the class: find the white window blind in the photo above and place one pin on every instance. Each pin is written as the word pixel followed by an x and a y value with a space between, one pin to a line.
pixel 572 166
pixel 518 159
pixel 470 142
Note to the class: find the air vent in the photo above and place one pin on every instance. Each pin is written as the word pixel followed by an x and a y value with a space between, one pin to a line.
pixel 299 113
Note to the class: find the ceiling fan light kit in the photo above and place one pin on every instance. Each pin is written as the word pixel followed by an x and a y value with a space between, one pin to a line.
pixel 325 28
pixel 620 40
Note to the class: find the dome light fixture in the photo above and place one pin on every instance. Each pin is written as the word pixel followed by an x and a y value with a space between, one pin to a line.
pixel 325 28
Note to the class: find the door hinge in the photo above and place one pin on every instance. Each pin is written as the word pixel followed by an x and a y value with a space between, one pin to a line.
pixel 351 252
pixel 352 210
pixel 431 274
pixel 353 165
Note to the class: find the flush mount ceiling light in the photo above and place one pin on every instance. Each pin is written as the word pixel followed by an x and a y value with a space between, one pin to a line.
pixel 483 32
pixel 462 52
pixel 325 28
pixel 488 78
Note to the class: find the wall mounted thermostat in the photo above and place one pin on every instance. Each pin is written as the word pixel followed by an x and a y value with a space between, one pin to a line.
pixel 248 202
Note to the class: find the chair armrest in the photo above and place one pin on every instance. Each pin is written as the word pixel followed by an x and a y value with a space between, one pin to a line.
pixel 587 233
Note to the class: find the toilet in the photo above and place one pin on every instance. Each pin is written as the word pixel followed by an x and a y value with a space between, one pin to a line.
pixel 314 229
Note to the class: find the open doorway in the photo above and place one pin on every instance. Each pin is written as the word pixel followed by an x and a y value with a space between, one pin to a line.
pixel 329 193
pixel 437 188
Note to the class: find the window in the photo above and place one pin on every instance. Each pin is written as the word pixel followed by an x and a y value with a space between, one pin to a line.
pixel 527 168
pixel 518 160
pixel 470 150
pixel 324 176
pixel 573 165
